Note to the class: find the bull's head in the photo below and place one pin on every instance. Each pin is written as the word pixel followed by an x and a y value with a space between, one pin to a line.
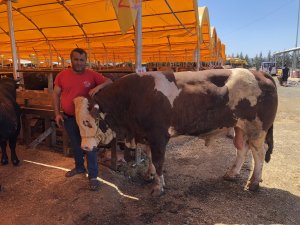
pixel 93 131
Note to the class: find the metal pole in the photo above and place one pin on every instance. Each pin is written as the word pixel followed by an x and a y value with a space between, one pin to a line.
pixel 170 50
pixel 106 56
pixel 198 34
pixel 12 39
pixel 50 53
pixel 2 60
pixel 36 57
pixel 138 38
pixel 297 25
pixel 89 52
pixel 294 61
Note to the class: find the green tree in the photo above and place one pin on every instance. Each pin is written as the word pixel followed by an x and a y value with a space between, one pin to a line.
pixel 241 56
pixel 257 62
pixel 269 57
pixel 247 59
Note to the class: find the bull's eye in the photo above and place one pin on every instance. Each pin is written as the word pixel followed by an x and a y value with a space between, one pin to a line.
pixel 87 123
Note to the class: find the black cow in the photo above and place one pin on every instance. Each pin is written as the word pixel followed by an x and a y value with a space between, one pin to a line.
pixel 151 107
pixel 9 119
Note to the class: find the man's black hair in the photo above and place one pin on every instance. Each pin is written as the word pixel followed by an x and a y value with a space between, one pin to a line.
pixel 79 50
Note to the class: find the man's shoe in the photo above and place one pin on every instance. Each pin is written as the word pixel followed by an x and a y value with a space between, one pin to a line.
pixel 74 172
pixel 94 184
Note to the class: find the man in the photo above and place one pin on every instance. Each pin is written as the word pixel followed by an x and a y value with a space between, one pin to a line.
pixel 285 75
pixel 69 84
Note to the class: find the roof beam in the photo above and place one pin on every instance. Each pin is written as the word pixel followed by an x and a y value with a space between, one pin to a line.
pixel 39 29
pixel 62 3
pixel 166 1
pixel 6 32
pixel 97 35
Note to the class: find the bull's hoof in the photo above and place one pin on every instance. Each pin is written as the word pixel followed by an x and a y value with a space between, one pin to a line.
pixel 230 177
pixel 4 161
pixel 157 192
pixel 15 162
pixel 253 186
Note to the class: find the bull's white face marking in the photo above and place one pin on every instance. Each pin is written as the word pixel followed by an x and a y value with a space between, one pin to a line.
pixel 90 134
pixel 86 123
pixel 162 84
pixel 242 85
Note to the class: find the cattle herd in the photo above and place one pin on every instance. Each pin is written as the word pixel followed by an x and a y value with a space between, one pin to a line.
pixel 150 108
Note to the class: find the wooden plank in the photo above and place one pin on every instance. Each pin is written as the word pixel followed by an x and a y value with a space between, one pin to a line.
pixel 26 128
pixel 47 113
pixel 40 138
pixel 53 134
pixel 47 123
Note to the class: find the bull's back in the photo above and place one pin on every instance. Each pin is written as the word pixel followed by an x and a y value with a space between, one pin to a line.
pixel 215 99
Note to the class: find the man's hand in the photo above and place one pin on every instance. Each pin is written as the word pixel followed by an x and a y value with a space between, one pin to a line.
pixel 93 91
pixel 59 120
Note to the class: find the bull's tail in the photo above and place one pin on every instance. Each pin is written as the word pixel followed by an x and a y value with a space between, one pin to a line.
pixel 269 141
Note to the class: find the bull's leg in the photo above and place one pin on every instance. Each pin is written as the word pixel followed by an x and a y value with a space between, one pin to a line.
pixel 150 174
pixel 12 145
pixel 158 156
pixel 241 154
pixel 4 158
pixel 258 152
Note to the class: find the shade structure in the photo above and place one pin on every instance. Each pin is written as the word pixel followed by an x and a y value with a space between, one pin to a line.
pixel 44 27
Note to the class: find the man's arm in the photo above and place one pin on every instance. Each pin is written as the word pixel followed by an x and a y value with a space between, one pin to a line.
pixel 56 105
pixel 93 91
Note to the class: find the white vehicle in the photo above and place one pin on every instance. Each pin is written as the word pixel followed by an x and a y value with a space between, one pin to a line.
pixel 268 67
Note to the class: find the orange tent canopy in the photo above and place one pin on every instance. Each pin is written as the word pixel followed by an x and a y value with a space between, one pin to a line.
pixel 44 27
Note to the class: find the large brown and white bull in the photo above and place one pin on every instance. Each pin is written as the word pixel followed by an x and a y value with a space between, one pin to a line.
pixel 154 106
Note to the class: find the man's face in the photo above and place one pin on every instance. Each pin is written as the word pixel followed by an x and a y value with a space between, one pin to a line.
pixel 78 62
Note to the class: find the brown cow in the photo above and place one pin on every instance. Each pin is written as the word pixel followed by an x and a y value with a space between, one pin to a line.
pixel 151 107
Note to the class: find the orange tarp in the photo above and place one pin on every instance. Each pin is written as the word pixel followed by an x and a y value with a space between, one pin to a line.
pixel 58 26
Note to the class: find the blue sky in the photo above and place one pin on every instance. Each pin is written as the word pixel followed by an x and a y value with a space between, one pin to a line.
pixel 254 26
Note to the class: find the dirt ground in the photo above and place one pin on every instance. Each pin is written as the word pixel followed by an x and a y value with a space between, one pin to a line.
pixel 195 193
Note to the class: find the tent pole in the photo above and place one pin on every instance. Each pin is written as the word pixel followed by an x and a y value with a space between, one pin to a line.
pixel 37 57
pixel 50 53
pixel 18 57
pixel 170 50
pixel 12 40
pixel 89 52
pixel 198 34
pixel 106 56
pixel 2 60
pixel 138 38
